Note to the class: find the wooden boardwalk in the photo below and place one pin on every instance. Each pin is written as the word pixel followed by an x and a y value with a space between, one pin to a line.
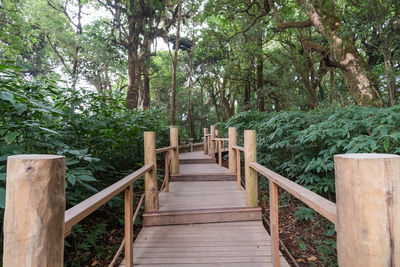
pixel 203 221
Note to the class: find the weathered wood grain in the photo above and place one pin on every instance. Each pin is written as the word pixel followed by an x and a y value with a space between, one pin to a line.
pixel 34 211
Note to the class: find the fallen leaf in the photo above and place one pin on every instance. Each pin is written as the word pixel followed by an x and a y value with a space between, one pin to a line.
pixel 301 260
pixel 312 258
pixel 95 263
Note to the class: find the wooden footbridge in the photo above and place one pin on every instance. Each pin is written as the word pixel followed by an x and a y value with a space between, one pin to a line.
pixel 204 214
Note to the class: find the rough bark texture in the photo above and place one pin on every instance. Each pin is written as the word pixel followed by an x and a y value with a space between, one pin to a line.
pixel 132 93
pixel 34 213
pixel 343 52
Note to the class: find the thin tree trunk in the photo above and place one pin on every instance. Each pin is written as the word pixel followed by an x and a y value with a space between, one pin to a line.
pixel 260 79
pixel 332 86
pixel 388 70
pixel 174 65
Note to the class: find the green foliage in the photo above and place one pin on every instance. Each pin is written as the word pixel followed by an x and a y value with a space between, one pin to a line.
pixel 304 214
pixel 101 140
pixel 300 145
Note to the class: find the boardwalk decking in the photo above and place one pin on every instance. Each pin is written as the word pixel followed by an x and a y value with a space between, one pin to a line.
pixel 203 222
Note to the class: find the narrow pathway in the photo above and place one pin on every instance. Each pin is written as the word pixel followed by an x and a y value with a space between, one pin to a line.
pixel 203 221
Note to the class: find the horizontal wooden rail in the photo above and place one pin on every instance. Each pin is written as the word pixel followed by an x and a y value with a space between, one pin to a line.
pixel 221 139
pixel 323 206
pixel 165 149
pixel 80 211
pixel 240 148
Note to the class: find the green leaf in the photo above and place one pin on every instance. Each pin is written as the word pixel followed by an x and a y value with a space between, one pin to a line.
pixel 72 179
pixel 6 96
pixel 10 137
pixel 21 107
pixel 383 131
pixel 2 198
pixel 49 130
pixel 386 144
pixel 87 178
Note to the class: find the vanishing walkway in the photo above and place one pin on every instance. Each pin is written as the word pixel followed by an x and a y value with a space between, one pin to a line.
pixel 203 221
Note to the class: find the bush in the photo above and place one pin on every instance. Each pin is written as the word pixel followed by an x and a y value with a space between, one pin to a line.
pixel 301 145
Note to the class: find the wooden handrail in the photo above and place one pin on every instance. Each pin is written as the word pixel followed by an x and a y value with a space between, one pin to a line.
pixel 80 211
pixel 220 139
pixel 323 206
pixel 240 148
pixel 165 149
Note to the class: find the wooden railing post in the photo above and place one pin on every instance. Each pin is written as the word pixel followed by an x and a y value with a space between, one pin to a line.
pixel 174 141
pixel 250 148
pixel 151 187
pixel 238 174
pixel 232 154
pixel 368 209
pixel 212 147
pixel 274 223
pixel 129 226
pixel 166 168
pixel 205 141
pixel 220 153
pixel 34 211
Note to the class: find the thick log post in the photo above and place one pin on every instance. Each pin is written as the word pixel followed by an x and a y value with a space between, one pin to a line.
pixel 368 209
pixel 250 148
pixel 150 182
pixel 205 141
pixel 232 153
pixel 174 141
pixel 212 146
pixel 34 212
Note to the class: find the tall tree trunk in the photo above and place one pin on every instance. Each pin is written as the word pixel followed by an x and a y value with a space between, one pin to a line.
pixel 174 65
pixel 388 70
pixel 343 52
pixel 134 79
pixel 260 79
pixel 332 86
pixel 246 99
pixel 146 86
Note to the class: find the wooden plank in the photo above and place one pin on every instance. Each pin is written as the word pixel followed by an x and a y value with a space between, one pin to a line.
pixel 80 211
pixel 201 216
pixel 323 206
pixel 197 161
pixel 165 149
pixel 202 169
pixel 203 177
pixel 234 246
pixel 239 148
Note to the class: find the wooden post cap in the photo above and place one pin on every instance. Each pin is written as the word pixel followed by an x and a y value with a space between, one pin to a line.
pixel 368 209
pixel 34 213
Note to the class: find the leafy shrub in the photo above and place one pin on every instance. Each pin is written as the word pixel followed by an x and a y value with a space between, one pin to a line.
pixel 102 141
pixel 300 145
